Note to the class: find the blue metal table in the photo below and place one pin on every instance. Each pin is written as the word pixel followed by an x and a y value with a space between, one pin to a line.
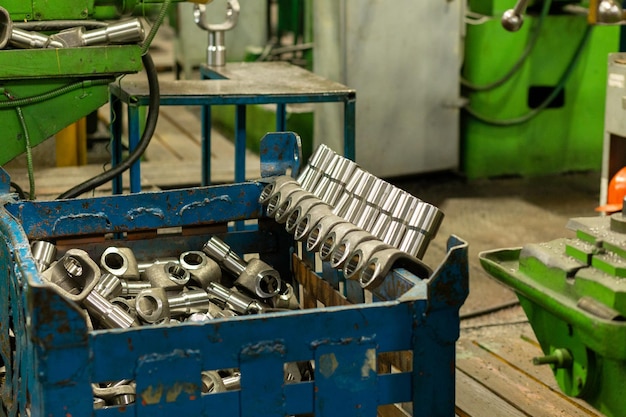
pixel 239 84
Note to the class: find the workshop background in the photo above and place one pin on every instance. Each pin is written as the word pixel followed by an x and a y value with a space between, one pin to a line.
pixel 509 133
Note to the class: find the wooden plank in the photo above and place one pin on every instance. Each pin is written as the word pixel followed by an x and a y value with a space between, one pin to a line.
pixel 517 347
pixel 522 392
pixel 475 400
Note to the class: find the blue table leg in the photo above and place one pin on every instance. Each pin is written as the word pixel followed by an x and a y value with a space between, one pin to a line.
pixel 206 145
pixel 349 127
pixel 117 119
pixel 240 143
pixel 281 117
pixel 134 133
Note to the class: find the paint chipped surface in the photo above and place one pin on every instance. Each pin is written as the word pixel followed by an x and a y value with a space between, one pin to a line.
pixel 151 395
pixel 328 364
pixel 369 364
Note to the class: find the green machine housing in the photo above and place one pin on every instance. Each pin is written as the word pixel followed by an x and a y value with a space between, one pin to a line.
pixel 45 90
pixel 565 136
pixel 573 291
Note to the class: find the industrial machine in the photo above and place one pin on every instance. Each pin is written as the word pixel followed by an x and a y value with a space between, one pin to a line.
pixel 58 58
pixel 536 95
pixel 573 290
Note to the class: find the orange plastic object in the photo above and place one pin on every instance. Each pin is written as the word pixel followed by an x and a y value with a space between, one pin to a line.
pixel 615 193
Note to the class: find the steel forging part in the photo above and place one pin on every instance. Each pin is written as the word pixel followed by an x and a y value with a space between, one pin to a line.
pixel 379 193
pixel 382 262
pixel 120 262
pixel 199 318
pixel 337 164
pixel 314 170
pixel 133 288
pixel 44 254
pixel 358 257
pixel 255 276
pixel 280 196
pixel 6 27
pixel 339 178
pixel 119 393
pixel 286 298
pixel 239 303
pixel 348 195
pixel 106 313
pixel 75 274
pixel 421 229
pixel 290 203
pixel 329 241
pixel 169 276
pixel 129 31
pixel 145 265
pixel 232 382
pixel 126 304
pixel 342 250
pixel 98 403
pixel 216 51
pixel 405 204
pixel 384 216
pixel 359 198
pixel 322 223
pixel 274 187
pixel 157 304
pixel 202 268
pixel 25 39
pixel 296 222
pixel 109 286
pixel 212 382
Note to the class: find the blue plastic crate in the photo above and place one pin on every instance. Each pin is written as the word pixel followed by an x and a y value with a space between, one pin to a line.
pixel 397 348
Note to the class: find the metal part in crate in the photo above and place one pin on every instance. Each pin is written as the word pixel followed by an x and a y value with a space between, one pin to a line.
pixel 51 359
pixel 573 292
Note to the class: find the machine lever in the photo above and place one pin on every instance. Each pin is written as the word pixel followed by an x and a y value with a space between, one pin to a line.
pixel 513 19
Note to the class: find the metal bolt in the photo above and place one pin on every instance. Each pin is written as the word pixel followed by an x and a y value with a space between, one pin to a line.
pixel 560 358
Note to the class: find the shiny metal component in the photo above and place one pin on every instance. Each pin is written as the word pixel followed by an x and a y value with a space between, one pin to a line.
pixel 399 217
pixel 236 301
pixel 44 254
pixel 298 223
pixel 199 318
pixel 274 187
pixel 342 250
pixel 133 288
pixel 422 227
pixel 24 39
pixel 118 393
pixel 254 276
pixel 129 31
pixel 202 268
pixel 232 382
pixel 145 265
pixel 286 298
pixel 381 263
pixel 216 52
pixel 6 27
pixel 168 276
pixel 98 403
pixel 609 11
pixel 358 257
pixel 339 178
pixel 75 274
pixel 289 204
pixel 323 223
pixel 358 202
pixel 120 262
pixel 513 19
pixel 317 165
pixel 156 304
pixel 126 304
pixel 377 195
pixel 109 286
pixel 106 313
pixel 280 196
pixel 329 241
pixel 212 382
pixel 385 215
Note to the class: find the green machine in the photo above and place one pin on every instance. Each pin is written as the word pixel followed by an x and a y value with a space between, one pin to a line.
pixel 536 96
pixel 574 294
pixel 58 57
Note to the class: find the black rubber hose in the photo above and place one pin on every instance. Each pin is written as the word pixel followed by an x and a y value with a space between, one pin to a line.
pixel 151 122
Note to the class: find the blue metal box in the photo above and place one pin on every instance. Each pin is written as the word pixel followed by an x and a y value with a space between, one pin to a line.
pixel 399 347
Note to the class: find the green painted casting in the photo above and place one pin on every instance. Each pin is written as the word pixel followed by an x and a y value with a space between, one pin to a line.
pixel 574 294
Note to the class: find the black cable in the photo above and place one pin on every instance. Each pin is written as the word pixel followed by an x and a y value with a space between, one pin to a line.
pixel 19 190
pixel 151 122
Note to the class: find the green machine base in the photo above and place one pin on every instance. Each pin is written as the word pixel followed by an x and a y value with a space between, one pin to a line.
pixel 574 294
